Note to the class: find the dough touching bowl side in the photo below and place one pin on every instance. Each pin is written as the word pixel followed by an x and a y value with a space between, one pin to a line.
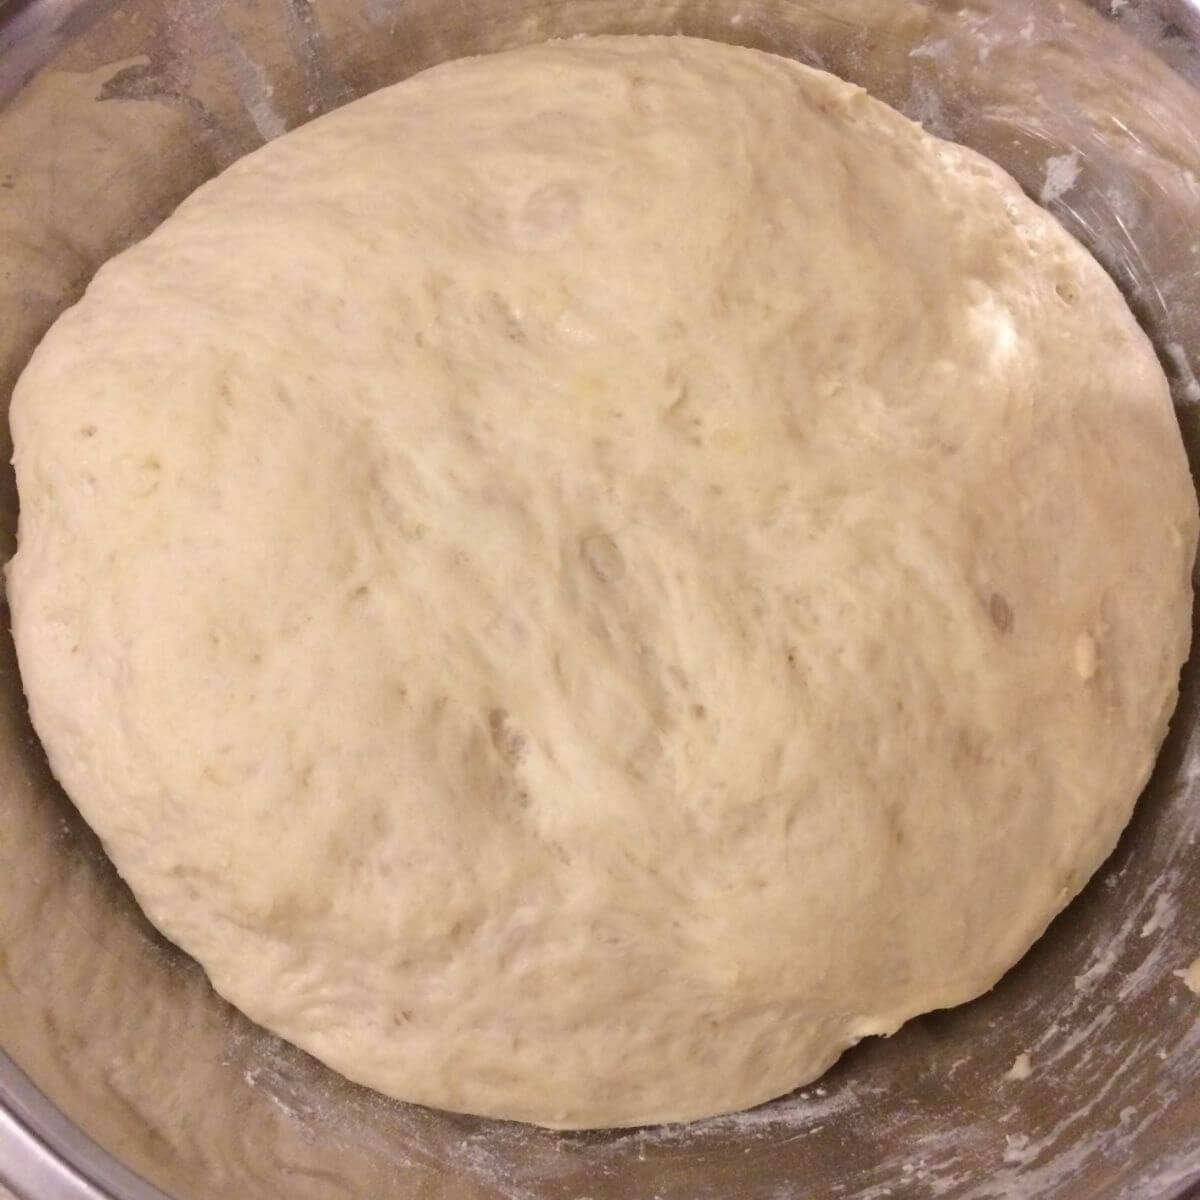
pixel 123 1077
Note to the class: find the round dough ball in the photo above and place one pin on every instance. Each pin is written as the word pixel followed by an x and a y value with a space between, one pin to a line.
pixel 582 584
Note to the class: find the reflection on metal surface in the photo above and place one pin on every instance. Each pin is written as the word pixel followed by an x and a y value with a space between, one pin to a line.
pixel 112 113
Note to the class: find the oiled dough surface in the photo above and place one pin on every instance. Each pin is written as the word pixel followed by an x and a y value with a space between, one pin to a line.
pixel 582 584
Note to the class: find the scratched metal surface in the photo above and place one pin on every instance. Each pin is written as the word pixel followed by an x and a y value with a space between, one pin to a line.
pixel 110 112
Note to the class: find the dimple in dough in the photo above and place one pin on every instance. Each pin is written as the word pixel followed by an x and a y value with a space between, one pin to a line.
pixel 582 584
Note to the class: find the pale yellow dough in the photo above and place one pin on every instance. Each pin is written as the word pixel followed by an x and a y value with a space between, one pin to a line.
pixel 582 584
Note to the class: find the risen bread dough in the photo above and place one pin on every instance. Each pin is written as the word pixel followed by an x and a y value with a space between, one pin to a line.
pixel 584 583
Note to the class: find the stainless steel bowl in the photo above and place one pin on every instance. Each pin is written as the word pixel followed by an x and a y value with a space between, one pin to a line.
pixel 124 1076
